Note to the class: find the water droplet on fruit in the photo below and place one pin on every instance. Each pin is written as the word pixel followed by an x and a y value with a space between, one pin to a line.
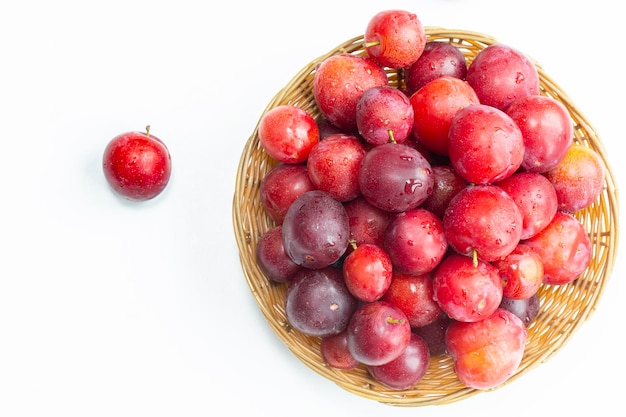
pixel 498 241
pixel 334 306
pixel 410 242
pixel 411 185
pixel 519 78
pixel 406 157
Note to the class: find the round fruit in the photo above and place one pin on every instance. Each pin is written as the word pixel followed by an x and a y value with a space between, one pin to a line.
pixel 317 302
pixel 536 198
pixel 395 38
pixel 367 222
pixel 367 271
pixel 435 334
pixel 434 107
pixel 487 352
pixel 526 309
pixel 500 74
pixel 137 165
pixel 484 144
pixel 439 59
pixel 338 84
pixel 448 183
pixel 578 178
pixel 521 272
pixel 271 256
pixel 414 295
pixel 333 166
pixel 316 230
pixel 483 221
pixel 281 186
pixel 384 114
pixel 335 353
pixel 407 369
pixel 395 177
pixel 378 333
pixel 467 291
pixel 415 241
pixel 564 247
pixel 547 129
pixel 287 133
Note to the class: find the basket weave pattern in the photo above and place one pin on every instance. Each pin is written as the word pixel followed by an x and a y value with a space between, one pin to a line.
pixel 563 308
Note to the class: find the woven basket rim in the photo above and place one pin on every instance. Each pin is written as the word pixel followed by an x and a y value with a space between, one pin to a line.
pixel 601 219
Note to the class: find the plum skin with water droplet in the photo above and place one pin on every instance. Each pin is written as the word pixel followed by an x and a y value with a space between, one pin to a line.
pixel 395 177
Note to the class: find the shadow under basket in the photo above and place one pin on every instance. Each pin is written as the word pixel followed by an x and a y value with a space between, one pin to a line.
pixel 563 308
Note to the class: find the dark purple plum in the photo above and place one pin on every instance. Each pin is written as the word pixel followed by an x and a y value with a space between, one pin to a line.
pixel 526 309
pixel 438 59
pixel 316 230
pixel 395 177
pixel 318 303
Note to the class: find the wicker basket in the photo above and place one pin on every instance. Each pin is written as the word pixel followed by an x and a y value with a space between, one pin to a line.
pixel 563 308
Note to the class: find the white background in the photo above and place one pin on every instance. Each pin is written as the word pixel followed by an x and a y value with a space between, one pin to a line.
pixel 111 308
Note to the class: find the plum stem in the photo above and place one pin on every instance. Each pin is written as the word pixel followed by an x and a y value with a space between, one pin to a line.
pixel 391 320
pixel 373 43
pixel 475 258
pixel 148 130
pixel 353 243
pixel 392 138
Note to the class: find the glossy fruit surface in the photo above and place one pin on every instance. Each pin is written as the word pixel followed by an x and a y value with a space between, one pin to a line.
pixel 435 335
pixel 395 177
pixel 434 107
pixel 439 59
pixel 333 166
pixel 339 83
pixel 271 256
pixel 578 178
pixel 483 221
pixel 407 369
pixel 378 333
pixel 484 144
pixel 317 302
pixel 521 272
pixel 448 183
pixel 281 186
pixel 415 241
pixel 287 133
pixel 486 353
pixel 526 309
pixel 316 230
pixel 137 165
pixel 395 38
pixel 547 129
pixel 536 198
pixel 564 247
pixel 414 295
pixel 500 74
pixel 466 291
pixel 367 222
pixel 367 272
pixel 384 114
pixel 335 353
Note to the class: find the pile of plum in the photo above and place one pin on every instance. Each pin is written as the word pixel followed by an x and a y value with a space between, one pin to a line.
pixel 421 219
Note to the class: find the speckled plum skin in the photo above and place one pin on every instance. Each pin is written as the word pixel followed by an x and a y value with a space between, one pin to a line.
pixel 137 165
